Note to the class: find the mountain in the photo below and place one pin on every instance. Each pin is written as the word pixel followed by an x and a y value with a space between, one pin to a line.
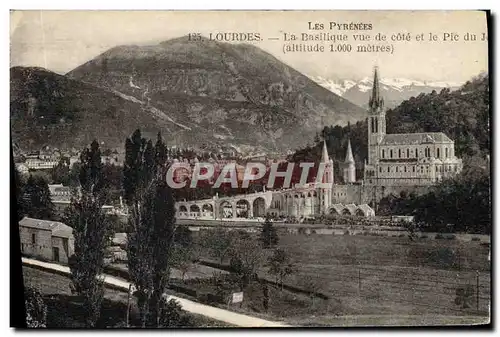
pixel 48 109
pixel 394 90
pixel 211 93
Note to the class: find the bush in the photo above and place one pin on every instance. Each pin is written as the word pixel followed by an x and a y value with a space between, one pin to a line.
pixel 451 237
pixel 475 238
pixel 313 231
pixel 424 236
pixel 439 236
pixel 36 310
pixel 401 235
pixel 346 233
pixel 173 316
pixel 302 230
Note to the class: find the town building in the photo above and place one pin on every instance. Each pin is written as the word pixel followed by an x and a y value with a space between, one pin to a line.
pixel 46 239
pixel 40 162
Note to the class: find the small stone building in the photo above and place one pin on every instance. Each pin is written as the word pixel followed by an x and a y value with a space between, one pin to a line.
pixel 46 239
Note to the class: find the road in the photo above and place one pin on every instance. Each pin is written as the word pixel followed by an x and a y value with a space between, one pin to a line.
pixel 187 305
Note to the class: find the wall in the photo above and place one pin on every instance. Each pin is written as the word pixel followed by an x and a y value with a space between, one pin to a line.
pixel 43 242
pixel 66 248
pixel 365 194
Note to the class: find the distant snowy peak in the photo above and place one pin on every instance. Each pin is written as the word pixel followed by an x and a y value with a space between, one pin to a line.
pixel 338 87
pixel 394 90
pixel 402 83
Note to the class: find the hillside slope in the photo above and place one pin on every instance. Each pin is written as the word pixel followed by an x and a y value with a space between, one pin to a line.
pixel 51 109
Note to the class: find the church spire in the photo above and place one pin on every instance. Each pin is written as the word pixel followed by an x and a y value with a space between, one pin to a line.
pixel 349 158
pixel 324 155
pixel 376 100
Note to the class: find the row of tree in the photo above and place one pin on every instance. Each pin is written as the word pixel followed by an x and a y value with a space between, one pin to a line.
pixel 460 204
pixel 151 222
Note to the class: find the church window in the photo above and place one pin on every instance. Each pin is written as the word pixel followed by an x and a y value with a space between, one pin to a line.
pixel 416 153
pixel 446 152
pixel 388 169
pixel 399 153
pixel 413 168
pixel 407 153
pixel 383 153
pixel 376 125
pixel 380 169
pixel 391 154
pixel 396 169
pixel 437 152
pixel 405 168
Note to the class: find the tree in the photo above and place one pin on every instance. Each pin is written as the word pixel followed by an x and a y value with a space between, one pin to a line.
pixel 36 310
pixel 246 258
pixel 173 315
pixel 280 265
pixel 269 235
pixel 182 258
pixel 219 242
pixel 463 200
pixel 60 174
pixel 36 199
pixel 92 234
pixel 183 236
pixel 152 225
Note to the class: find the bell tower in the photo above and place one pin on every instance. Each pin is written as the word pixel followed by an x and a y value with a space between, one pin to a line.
pixel 376 120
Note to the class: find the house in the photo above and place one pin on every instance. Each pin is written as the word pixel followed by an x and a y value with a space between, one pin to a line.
pixel 59 192
pixel 46 239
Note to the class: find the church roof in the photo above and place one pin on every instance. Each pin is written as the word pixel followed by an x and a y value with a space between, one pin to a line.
pixel 338 208
pixel 367 210
pixel 349 157
pixel 324 154
pixel 352 208
pixel 415 138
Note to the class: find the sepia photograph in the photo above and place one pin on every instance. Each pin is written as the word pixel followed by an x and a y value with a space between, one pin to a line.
pixel 250 169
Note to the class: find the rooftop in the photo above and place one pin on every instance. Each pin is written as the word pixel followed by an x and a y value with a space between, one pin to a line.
pixel 415 138
pixel 57 228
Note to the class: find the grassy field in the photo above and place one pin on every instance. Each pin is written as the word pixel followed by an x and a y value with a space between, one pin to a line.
pixel 392 278
pixel 64 309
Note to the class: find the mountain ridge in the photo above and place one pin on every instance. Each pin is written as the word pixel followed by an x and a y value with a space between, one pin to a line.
pixel 394 90
pixel 209 83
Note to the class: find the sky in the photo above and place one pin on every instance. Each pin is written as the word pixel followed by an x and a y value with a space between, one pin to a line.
pixel 62 40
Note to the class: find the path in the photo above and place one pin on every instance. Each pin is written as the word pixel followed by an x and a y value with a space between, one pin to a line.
pixel 187 305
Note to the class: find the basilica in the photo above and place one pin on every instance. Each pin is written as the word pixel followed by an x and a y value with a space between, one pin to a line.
pixel 405 158
pixel 395 163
